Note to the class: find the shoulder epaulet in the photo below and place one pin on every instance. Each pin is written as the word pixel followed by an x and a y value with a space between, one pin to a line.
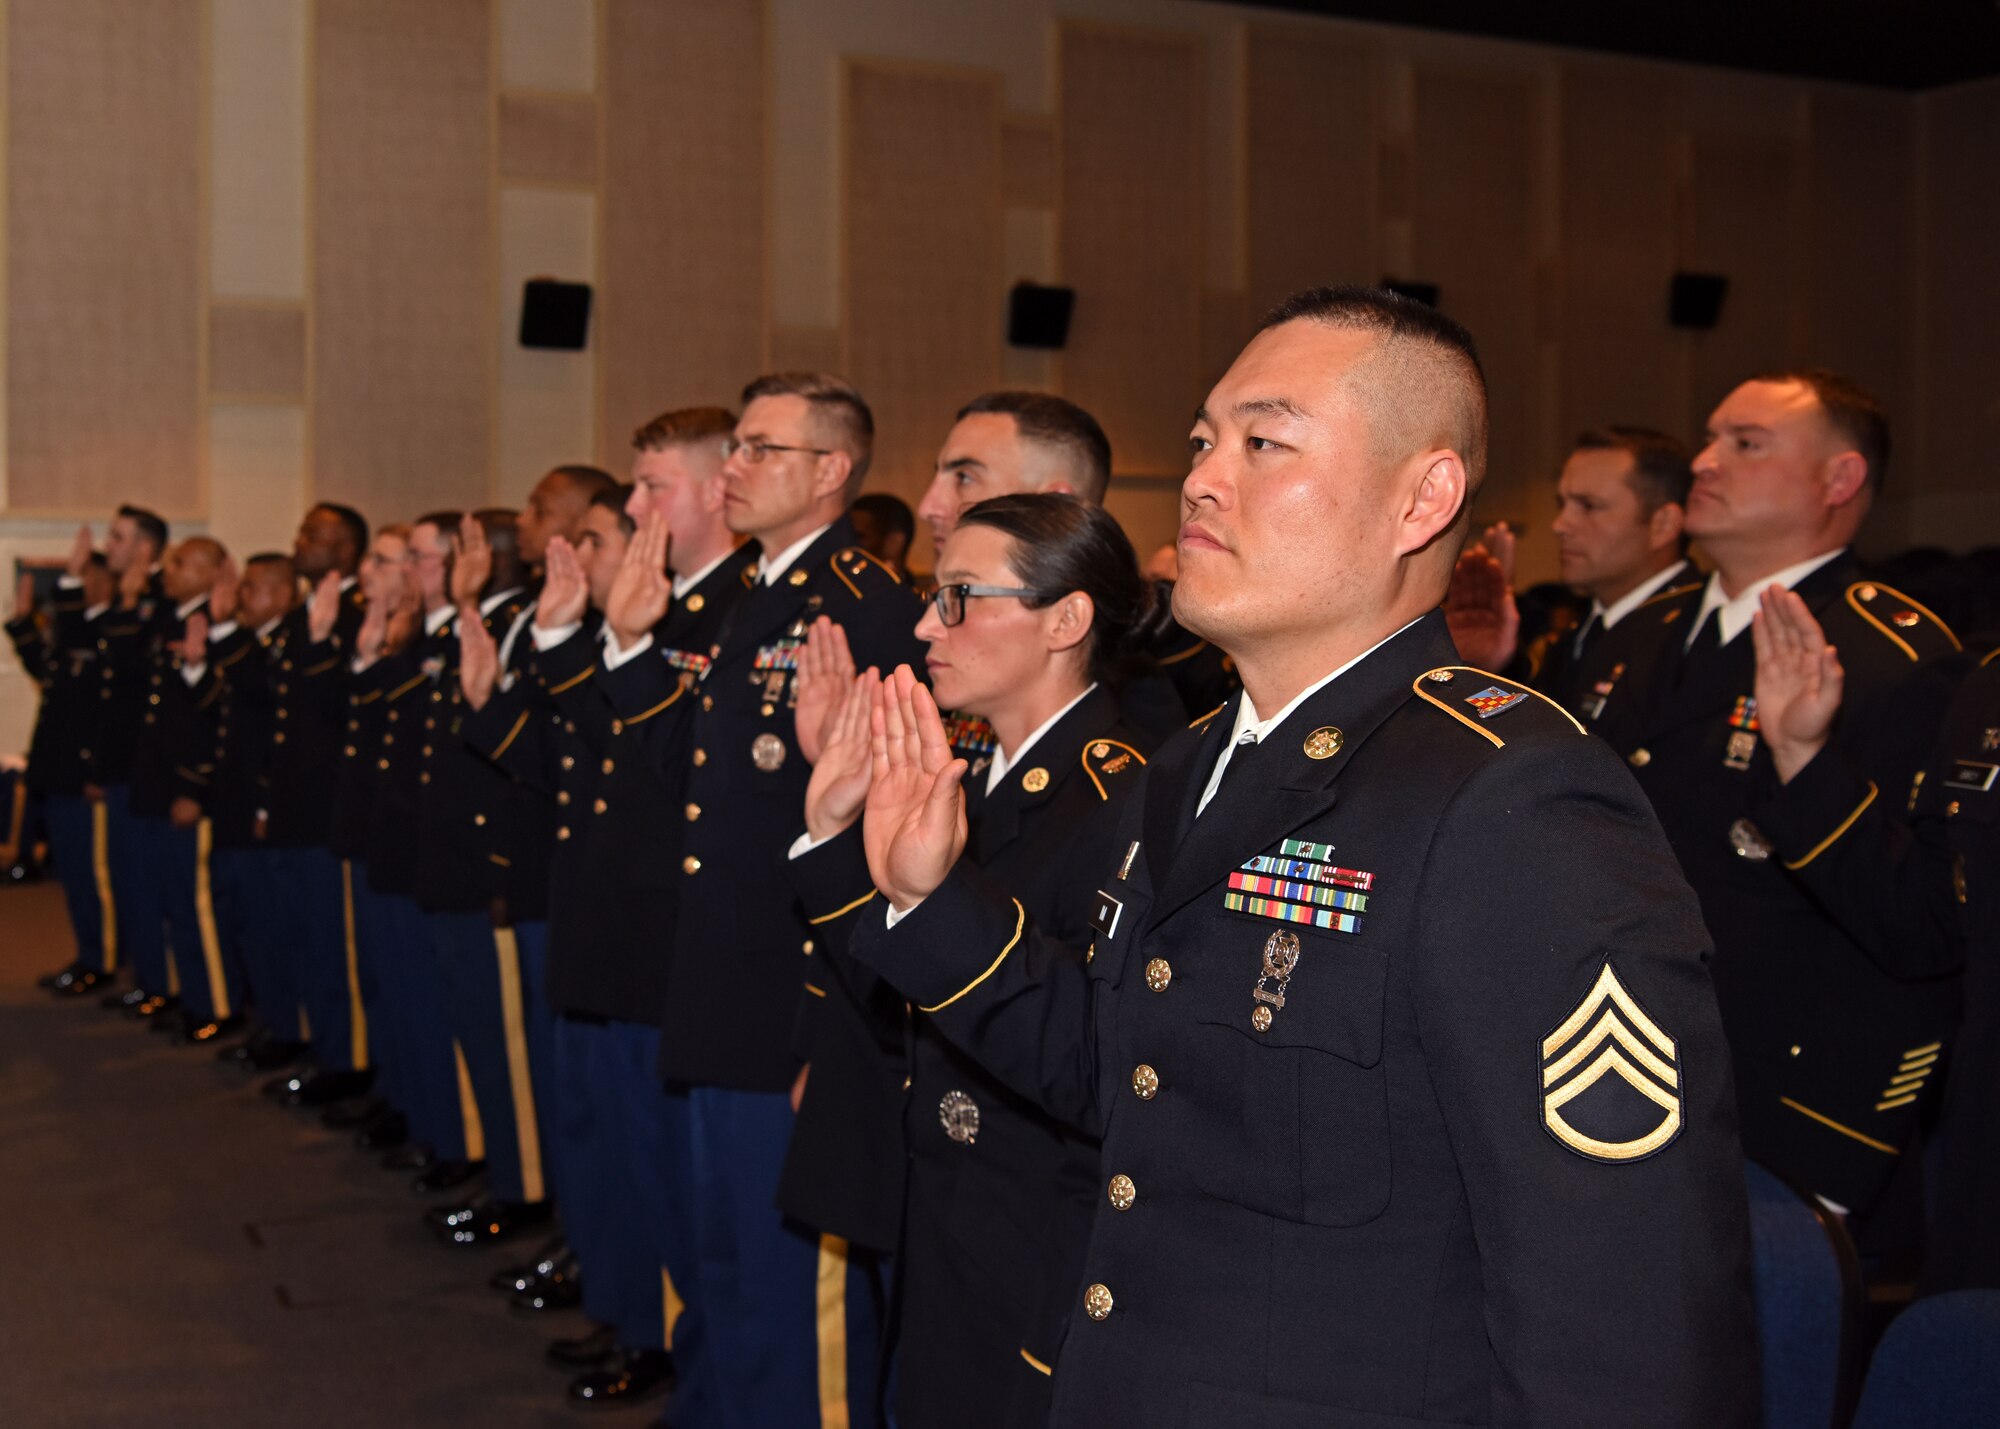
pixel 1990 657
pixel 1106 759
pixel 851 563
pixel 1901 619
pixel 1198 721
pixel 1670 593
pixel 1473 696
pixel 1180 655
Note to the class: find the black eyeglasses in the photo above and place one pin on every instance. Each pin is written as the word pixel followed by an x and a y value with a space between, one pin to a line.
pixel 755 452
pixel 950 599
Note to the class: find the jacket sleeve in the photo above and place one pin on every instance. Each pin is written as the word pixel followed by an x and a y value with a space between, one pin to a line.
pixel 1571 1036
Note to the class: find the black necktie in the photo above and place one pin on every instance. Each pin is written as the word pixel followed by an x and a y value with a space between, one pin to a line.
pixel 1586 635
pixel 1240 759
pixel 1707 640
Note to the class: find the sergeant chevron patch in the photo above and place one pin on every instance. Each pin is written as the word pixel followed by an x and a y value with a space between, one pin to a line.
pixel 1626 1117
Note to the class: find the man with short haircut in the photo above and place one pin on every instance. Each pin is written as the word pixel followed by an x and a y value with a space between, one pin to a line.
pixel 727 743
pixel 1004 442
pixel 1820 1034
pixel 1620 506
pixel 1373 1085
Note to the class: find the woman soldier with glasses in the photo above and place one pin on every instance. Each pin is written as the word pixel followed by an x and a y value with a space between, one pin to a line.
pixel 1038 609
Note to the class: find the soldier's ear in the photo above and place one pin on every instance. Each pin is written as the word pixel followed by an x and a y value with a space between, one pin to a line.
pixel 1846 476
pixel 1663 527
pixel 1073 616
pixel 1440 493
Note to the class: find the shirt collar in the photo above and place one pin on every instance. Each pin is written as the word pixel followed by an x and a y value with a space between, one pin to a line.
pixel 775 566
pixel 499 597
pixel 1003 761
pixel 1608 616
pixel 684 584
pixel 1733 615
pixel 1246 715
pixel 189 607
pixel 436 620
pixel 347 583
pixel 97 610
pixel 264 630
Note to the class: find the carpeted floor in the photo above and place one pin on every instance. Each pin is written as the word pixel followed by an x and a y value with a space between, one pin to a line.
pixel 179 1251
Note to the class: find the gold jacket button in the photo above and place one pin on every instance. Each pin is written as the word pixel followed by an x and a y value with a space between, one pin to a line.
pixel 480 820
pixel 563 832
pixel 278 738
pixel 424 778
pixel 607 766
pixel 809 947
pixel 392 717
pixel 1145 1082
pixel 690 864
pixel 700 758
pixel 1159 972
pixel 381 764
pixel 1123 1193
pixel 1640 758
pixel 618 726
pixel 1097 1302
pixel 693 812
pixel 569 761
pixel 152 699
pixel 598 806
pixel 562 796
pixel 350 751
pixel 707 703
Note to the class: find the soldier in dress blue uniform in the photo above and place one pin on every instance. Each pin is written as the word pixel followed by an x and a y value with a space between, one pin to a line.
pixel 1916 877
pixel 62 655
pixel 1816 1027
pixel 314 650
pixel 1038 606
pixel 1621 502
pixel 799 452
pixel 1395 1015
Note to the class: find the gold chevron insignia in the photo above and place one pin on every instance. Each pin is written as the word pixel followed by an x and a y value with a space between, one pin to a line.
pixel 1610 1034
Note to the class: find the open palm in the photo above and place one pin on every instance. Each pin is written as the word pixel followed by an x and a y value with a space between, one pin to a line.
pixel 846 764
pixel 914 826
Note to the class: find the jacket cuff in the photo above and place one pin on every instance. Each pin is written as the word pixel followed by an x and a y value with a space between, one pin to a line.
pixel 1808 816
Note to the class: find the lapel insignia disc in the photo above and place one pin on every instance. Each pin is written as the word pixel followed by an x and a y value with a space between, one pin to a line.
pixel 695 602
pixel 1281 959
pixel 959 1115
pixel 1605 1117
pixel 1035 780
pixel 1324 742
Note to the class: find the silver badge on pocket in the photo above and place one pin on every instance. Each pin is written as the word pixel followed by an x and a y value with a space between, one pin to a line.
pixel 959 1115
pixel 1281 958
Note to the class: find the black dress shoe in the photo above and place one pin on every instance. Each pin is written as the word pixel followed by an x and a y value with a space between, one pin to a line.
pixel 414 1156
pixel 353 1113
pixel 176 1021
pixel 447 1175
pixel 126 1000
pixel 488 1222
pixel 629 1377
pixel 272 1053
pixel 584 1351
pixel 383 1133
pixel 153 1006
pixel 560 1289
pixel 79 982
pixel 203 1034
pixel 282 1088
pixel 511 1278
pixel 323 1088
pixel 51 979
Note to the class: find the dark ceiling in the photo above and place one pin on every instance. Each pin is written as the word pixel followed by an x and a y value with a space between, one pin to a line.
pixel 1917 44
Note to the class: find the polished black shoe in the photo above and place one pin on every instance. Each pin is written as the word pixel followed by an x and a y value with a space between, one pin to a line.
pixel 153 1006
pixel 79 982
pixel 51 979
pixel 447 1176
pixel 324 1088
pixel 629 1377
pixel 511 1278
pixel 124 1001
pixel 584 1351
pixel 491 1222
pixel 206 1034
pixel 354 1113
pixel 413 1156
pixel 383 1133
pixel 270 1053
pixel 176 1021
pixel 283 1088
pixel 560 1289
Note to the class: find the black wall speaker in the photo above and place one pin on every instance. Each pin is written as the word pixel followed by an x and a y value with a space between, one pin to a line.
pixel 555 314
pixel 1694 300
pixel 1039 316
pixel 1425 293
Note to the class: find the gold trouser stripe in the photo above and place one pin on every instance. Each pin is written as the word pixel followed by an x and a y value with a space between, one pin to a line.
pixel 527 1133
pixel 468 1108
pixel 305 1025
pixel 100 863
pixel 357 1015
pixel 671 1306
pixel 832 1332
pixel 204 914
pixel 173 974
pixel 1843 1130
pixel 17 820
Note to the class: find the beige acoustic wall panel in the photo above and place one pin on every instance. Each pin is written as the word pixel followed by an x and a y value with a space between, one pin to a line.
pixel 1130 146
pixel 104 254
pixel 547 397
pixel 925 290
pixel 1309 145
pixel 258 454
pixel 1616 159
pixel 682 300
pixel 1962 309
pixel 1473 190
pixel 257 149
pixel 549 139
pixel 548 44
pixel 1739 222
pixel 403 256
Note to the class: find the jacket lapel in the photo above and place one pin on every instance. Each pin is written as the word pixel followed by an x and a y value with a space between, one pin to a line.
pixel 996 819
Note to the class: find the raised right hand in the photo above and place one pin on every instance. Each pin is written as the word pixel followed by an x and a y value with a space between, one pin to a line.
pixel 323 611
pixel 825 675
pixel 642 590
pixel 478 659
pixel 222 594
pixel 1479 608
pixel 914 827
pixel 79 554
pixel 565 593
pixel 1799 680
pixel 840 779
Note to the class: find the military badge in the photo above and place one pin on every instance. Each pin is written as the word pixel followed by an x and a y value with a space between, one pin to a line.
pixel 1125 864
pixel 1281 960
pixel 1035 780
pixel 1744 716
pixel 767 752
pixel 1971 774
pixel 1324 742
pixel 959 1115
pixel 969 735
pixel 688 662
pixel 1741 749
pixel 1593 707
pixel 1749 842
pixel 1493 700
pixel 1610 1078
pixel 1989 740
pixel 1301 884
